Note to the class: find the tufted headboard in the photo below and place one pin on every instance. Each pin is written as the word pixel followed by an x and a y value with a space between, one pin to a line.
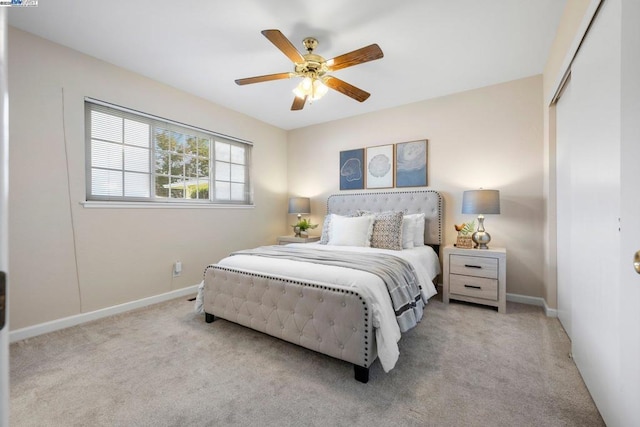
pixel 409 202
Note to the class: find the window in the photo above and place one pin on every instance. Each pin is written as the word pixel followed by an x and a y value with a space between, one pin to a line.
pixel 133 156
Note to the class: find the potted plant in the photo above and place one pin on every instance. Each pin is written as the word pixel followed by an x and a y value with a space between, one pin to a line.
pixel 300 228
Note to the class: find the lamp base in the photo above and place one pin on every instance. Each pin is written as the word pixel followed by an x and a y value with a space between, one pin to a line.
pixel 481 239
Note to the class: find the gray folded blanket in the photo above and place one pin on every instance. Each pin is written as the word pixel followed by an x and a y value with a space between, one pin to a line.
pixel 397 274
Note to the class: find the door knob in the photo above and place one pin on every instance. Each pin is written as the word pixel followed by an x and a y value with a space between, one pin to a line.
pixel 636 262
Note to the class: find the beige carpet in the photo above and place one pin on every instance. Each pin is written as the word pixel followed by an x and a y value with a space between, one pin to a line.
pixel 164 366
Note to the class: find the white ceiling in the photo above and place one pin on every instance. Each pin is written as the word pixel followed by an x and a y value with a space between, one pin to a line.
pixel 431 47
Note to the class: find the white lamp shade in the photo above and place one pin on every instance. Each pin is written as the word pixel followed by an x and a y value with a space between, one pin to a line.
pixel 481 202
pixel 299 205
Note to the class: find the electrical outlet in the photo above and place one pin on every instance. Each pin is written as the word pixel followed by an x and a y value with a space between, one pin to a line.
pixel 177 269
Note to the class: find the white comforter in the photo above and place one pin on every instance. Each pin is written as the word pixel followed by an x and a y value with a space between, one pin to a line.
pixel 424 261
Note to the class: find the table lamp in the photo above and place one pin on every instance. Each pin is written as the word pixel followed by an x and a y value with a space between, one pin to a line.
pixel 481 202
pixel 299 205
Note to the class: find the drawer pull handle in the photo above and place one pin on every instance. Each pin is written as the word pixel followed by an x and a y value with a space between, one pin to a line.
pixel 473 286
pixel 472 266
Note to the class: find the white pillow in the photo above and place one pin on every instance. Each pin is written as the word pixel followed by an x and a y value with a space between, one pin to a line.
pixel 418 234
pixel 351 231
pixel 408 231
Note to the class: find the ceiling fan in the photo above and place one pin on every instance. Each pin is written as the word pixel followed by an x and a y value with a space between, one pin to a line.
pixel 314 68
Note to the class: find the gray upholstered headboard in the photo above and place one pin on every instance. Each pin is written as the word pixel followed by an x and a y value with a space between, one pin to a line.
pixel 409 202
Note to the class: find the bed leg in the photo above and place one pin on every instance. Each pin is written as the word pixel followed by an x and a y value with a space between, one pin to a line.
pixel 361 373
pixel 209 317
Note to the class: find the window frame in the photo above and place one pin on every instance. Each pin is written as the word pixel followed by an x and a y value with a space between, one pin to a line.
pixel 154 123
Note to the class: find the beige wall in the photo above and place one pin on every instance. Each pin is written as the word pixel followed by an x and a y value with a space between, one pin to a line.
pixel 572 19
pixel 494 137
pixel 122 254
pixel 489 137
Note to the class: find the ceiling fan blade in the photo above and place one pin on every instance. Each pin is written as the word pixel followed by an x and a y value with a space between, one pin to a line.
pixel 298 103
pixel 265 78
pixel 283 43
pixel 345 88
pixel 359 56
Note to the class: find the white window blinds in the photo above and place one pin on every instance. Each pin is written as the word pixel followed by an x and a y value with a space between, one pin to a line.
pixel 137 157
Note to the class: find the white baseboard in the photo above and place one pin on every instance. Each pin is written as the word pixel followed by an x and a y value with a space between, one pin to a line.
pixel 540 302
pixel 525 299
pixel 55 325
pixel 550 312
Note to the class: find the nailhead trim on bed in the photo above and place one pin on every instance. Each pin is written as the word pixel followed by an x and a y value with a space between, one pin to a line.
pixel 366 347
pixel 303 321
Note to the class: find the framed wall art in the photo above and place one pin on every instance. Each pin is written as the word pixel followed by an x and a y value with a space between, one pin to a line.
pixel 352 169
pixel 379 165
pixel 411 164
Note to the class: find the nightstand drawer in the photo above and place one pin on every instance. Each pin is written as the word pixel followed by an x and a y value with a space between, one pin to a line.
pixel 474 266
pixel 478 287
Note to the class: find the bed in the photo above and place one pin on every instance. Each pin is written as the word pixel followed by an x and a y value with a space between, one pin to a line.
pixel 341 311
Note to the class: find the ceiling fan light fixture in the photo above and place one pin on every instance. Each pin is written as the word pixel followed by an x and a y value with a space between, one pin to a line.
pixel 319 89
pixel 310 87
pixel 304 88
pixel 298 93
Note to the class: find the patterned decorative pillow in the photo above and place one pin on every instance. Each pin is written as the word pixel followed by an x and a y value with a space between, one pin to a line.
pixel 387 230
pixel 326 225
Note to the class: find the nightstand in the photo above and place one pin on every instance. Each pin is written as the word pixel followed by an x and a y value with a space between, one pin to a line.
pixel 285 240
pixel 475 275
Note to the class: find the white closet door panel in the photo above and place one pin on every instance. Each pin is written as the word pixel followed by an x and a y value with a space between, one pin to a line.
pixel 594 208
pixel 567 131
pixel 629 314
pixel 4 227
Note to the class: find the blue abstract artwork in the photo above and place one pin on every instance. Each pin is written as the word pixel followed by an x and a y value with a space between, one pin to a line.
pixel 411 164
pixel 351 169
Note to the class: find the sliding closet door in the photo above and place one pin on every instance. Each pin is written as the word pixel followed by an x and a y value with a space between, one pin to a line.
pixel 567 135
pixel 589 188
pixel 629 312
